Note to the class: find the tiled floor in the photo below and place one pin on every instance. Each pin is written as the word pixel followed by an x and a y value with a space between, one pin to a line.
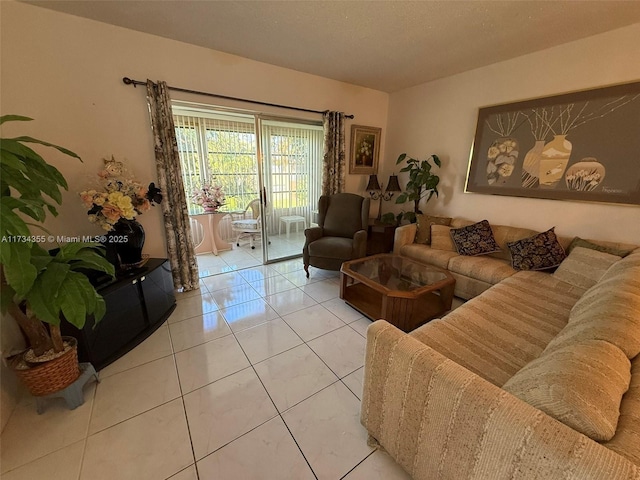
pixel 244 256
pixel 256 376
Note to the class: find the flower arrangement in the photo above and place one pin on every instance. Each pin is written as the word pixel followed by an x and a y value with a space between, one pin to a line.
pixel 209 196
pixel 120 197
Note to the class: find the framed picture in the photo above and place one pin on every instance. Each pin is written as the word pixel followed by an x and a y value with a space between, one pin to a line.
pixel 365 149
pixel 582 146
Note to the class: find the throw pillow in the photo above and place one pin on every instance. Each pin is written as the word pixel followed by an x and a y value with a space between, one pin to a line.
pixel 441 238
pixel 579 242
pixel 584 267
pixel 475 239
pixel 539 252
pixel 424 222
pixel 580 385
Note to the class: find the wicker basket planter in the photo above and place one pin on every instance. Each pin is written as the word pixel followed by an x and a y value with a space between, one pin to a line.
pixel 54 375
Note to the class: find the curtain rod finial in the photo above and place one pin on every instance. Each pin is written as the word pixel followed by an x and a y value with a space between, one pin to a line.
pixel 128 81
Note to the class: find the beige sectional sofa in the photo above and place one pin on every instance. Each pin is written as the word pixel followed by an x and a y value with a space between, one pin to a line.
pixel 532 378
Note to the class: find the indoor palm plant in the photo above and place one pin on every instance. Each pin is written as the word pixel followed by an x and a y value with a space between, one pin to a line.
pixel 38 287
pixel 422 183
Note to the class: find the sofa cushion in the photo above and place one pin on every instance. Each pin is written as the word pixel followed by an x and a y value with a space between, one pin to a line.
pixel 626 441
pixel 423 230
pixel 627 263
pixel 579 242
pixel 426 254
pixel 475 239
pixel 539 252
pixel 498 332
pixel 607 311
pixel 584 267
pixel 580 385
pixel 490 270
pixel 331 247
pixel 441 238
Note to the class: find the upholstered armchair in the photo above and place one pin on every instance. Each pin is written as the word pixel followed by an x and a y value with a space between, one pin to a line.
pixel 342 232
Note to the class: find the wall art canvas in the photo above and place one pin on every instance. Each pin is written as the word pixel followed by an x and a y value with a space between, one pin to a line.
pixel 582 146
pixel 365 149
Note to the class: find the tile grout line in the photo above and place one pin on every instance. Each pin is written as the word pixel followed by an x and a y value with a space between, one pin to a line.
pixel 86 438
pixel 184 409
pixel 274 403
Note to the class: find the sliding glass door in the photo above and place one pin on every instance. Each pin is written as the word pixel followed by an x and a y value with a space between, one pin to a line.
pixel 292 169
pixel 269 169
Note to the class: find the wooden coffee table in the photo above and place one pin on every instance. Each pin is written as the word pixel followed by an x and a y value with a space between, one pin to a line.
pixel 402 291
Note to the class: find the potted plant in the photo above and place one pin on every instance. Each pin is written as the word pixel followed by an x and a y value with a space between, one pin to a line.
pixel 39 288
pixel 422 183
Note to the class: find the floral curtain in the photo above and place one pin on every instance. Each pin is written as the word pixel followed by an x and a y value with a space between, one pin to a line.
pixel 180 247
pixel 334 164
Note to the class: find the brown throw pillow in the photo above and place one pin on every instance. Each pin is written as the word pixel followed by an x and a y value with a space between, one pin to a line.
pixel 579 242
pixel 475 239
pixel 539 252
pixel 441 238
pixel 424 222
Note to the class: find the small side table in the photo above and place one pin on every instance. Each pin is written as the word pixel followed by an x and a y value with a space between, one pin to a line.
pixel 73 394
pixel 288 220
pixel 211 242
pixel 380 237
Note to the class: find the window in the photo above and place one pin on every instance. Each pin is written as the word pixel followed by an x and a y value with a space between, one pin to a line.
pixel 221 147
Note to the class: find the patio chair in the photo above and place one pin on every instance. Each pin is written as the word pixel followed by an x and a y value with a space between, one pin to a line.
pixel 250 226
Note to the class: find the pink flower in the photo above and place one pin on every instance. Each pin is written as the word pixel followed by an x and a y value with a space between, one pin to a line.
pixel 111 213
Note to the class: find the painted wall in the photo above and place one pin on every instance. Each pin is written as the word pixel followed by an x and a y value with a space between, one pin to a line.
pixel 66 71
pixel 440 117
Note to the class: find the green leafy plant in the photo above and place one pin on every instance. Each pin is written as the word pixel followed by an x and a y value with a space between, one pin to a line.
pixel 39 288
pixel 422 182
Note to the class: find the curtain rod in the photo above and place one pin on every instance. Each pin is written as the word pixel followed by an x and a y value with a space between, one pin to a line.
pixel 135 83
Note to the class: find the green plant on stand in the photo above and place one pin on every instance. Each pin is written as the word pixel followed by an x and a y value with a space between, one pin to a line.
pixel 38 288
pixel 422 183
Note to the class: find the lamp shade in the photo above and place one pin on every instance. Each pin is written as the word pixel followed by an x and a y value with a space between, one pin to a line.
pixel 393 185
pixel 373 184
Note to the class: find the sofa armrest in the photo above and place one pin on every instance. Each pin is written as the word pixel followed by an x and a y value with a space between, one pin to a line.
pixel 405 235
pixel 359 244
pixel 439 420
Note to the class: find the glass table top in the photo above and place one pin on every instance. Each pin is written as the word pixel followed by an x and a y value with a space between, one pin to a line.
pixel 395 272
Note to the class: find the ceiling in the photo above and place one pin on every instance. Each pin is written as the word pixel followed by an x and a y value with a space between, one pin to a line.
pixel 385 45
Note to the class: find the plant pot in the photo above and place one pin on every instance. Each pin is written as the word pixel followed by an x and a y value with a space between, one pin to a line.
pixel 51 376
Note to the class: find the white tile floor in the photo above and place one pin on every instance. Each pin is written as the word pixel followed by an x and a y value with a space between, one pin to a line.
pixel 243 256
pixel 256 376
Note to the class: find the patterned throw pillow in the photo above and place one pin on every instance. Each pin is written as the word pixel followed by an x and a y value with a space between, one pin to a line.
pixel 539 252
pixel 424 222
pixel 476 239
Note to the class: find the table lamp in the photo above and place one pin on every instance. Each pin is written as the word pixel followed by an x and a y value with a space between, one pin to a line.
pixel 375 190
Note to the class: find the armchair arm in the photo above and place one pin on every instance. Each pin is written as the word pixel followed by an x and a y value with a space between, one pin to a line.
pixel 404 235
pixel 439 420
pixel 312 234
pixel 359 244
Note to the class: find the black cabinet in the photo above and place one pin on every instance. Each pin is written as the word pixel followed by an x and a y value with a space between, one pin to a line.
pixel 138 302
